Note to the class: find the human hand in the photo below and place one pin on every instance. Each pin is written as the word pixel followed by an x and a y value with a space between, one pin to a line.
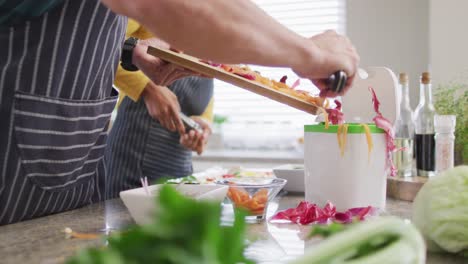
pixel 160 72
pixel 195 140
pixel 331 52
pixel 162 104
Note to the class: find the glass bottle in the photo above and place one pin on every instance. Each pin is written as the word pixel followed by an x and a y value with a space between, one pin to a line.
pixel 404 132
pixel 445 141
pixel 424 129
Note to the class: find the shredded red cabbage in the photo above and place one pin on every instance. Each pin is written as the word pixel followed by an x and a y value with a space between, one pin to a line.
pixel 211 63
pixel 335 116
pixel 246 75
pixel 387 126
pixel 338 105
pixel 283 79
pixel 309 213
pixel 296 84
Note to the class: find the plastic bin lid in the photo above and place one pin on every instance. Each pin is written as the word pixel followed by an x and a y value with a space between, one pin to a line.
pixel 357 103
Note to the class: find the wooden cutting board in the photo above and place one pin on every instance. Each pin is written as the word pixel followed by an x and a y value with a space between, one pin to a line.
pixel 196 65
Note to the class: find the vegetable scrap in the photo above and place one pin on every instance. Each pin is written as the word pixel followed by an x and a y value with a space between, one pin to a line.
pixel 383 123
pixel 309 213
pixel 69 234
pixel 335 116
pixel 281 86
pixel 186 180
pixel 255 204
pixel 370 143
pixel 342 134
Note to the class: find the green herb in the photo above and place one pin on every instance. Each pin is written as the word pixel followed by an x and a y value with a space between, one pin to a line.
pixel 219 119
pixel 183 231
pixel 188 179
pixel 453 100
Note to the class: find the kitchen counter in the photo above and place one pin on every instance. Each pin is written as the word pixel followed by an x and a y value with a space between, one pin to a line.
pixel 42 240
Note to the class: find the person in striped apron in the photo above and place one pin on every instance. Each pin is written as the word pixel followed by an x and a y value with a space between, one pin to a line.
pixel 145 140
pixel 57 66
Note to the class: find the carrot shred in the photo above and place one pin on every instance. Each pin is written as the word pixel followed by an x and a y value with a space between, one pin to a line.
pixel 338 135
pixel 344 135
pixel 72 234
pixel 370 143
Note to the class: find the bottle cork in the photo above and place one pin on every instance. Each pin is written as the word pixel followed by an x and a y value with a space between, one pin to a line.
pixel 403 78
pixel 425 78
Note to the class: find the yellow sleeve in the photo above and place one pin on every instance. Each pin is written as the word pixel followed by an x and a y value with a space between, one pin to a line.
pixel 208 114
pixel 132 84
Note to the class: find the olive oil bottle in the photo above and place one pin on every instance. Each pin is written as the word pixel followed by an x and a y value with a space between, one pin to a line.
pixel 404 132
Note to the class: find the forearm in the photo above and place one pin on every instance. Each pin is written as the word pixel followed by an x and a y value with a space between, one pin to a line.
pixel 239 27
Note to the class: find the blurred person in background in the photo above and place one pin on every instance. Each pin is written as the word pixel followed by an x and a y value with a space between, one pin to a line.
pixel 148 138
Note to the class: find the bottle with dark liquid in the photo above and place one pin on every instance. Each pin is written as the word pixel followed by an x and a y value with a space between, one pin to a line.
pixel 404 132
pixel 424 129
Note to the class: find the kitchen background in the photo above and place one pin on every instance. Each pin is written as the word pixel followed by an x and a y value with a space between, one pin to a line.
pixel 405 35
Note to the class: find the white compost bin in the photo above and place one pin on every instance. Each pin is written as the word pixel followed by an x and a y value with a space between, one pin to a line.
pixel 356 178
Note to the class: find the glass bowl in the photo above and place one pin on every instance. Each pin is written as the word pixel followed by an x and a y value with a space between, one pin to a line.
pixel 252 194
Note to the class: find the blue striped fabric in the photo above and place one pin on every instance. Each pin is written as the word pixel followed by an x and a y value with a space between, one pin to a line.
pixel 56 76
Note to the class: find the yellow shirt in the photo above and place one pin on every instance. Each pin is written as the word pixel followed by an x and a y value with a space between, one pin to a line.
pixel 132 84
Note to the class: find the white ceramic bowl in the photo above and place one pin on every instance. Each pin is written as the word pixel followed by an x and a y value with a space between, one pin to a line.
pixel 294 174
pixel 142 205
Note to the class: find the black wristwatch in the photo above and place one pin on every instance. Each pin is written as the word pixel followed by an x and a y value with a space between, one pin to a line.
pixel 127 54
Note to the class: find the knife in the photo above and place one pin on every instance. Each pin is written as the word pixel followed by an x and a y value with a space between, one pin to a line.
pixel 190 124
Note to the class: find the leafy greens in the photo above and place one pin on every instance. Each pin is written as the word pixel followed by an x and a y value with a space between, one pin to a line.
pixel 183 231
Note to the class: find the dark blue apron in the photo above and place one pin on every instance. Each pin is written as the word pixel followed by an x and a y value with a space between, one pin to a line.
pixel 56 75
pixel 139 146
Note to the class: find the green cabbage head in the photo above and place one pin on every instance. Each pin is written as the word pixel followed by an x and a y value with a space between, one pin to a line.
pixel 440 211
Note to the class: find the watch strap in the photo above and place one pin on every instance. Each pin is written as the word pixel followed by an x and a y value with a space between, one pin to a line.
pixel 127 54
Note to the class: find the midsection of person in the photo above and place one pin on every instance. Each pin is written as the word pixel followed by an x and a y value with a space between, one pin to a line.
pixel 56 76
pixel 139 146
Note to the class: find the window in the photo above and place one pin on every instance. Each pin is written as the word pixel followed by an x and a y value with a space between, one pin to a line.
pixel 255 121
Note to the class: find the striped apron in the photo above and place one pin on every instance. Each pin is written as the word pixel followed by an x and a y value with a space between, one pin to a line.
pixel 56 75
pixel 139 146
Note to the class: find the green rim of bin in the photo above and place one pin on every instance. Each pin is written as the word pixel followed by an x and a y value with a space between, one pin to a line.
pixel 352 128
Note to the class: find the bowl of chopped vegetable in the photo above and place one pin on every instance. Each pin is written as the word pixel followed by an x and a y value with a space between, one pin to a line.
pixel 252 194
pixel 141 204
